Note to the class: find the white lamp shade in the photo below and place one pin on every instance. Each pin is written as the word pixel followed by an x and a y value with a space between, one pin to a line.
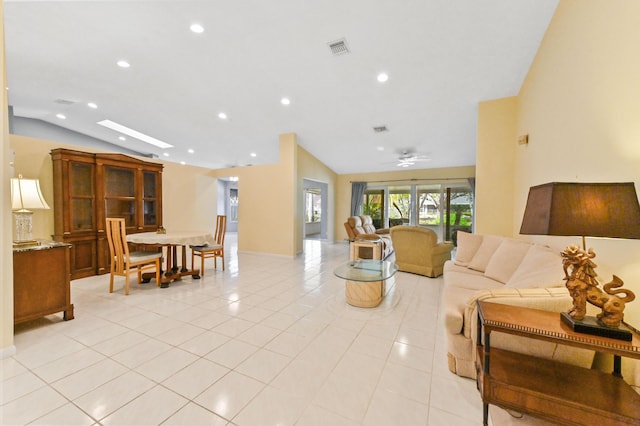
pixel 26 194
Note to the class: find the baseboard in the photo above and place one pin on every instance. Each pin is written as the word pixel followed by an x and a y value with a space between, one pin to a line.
pixel 7 352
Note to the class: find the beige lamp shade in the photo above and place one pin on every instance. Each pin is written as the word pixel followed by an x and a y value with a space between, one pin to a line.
pixel 26 195
pixel 583 209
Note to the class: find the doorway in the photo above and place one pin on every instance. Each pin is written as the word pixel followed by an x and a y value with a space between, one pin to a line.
pixel 314 225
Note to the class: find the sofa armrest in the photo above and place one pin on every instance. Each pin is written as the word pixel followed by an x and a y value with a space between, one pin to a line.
pixel 554 299
pixel 382 231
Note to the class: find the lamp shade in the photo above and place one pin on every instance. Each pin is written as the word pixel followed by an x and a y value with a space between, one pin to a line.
pixel 26 195
pixel 583 209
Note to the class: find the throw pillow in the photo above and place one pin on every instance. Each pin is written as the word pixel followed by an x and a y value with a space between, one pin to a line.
pixel 468 245
pixel 488 246
pixel 540 268
pixel 506 259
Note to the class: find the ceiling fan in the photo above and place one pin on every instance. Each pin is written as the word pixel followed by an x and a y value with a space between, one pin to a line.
pixel 408 158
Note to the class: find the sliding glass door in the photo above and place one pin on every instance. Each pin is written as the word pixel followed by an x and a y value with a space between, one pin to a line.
pixel 444 208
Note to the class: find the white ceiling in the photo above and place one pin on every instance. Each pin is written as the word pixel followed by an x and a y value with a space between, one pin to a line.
pixel 442 58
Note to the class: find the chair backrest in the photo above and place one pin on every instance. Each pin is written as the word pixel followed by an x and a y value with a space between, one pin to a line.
pixel 367 224
pixel 117 238
pixel 221 229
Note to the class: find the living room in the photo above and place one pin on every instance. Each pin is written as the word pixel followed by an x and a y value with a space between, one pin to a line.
pixel 578 105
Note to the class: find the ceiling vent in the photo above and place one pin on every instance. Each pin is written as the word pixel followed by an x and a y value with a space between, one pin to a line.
pixel 380 129
pixel 64 102
pixel 339 47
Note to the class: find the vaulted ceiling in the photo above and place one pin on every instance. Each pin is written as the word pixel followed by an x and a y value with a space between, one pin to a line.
pixel 441 57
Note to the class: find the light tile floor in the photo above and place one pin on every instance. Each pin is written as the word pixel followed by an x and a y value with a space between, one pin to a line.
pixel 270 341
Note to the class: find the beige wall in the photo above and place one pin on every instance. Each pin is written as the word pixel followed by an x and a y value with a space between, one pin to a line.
pixel 343 187
pixel 580 105
pixel 267 215
pixel 188 193
pixel 6 254
pixel 495 155
pixel 309 167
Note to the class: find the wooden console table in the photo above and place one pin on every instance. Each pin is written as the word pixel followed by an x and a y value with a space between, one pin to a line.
pixel 41 281
pixel 554 391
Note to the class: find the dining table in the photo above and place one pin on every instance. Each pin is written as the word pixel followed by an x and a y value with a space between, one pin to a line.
pixel 170 241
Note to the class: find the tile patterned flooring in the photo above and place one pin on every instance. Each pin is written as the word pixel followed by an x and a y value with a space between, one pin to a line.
pixel 270 341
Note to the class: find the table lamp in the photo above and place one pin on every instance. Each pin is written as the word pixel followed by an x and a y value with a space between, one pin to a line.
pixel 608 210
pixel 25 197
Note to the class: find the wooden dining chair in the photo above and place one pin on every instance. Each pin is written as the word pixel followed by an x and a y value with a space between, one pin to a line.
pixel 122 260
pixel 215 250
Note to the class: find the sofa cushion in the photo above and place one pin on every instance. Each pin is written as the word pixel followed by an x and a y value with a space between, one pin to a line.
pixel 506 259
pixel 488 246
pixel 473 280
pixel 540 268
pixel 468 245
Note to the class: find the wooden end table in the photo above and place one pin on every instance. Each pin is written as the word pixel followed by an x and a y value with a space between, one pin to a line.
pixel 551 390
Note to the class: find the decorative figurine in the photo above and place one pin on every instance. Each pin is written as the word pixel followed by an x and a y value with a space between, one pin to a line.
pixel 584 287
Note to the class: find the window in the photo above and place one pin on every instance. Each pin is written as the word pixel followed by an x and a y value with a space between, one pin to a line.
pixel 374 206
pixel 233 204
pixel 313 206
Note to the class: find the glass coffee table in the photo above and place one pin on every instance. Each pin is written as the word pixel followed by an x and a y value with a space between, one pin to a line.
pixel 365 285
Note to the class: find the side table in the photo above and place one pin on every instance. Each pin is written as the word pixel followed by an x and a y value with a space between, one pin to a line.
pixel 554 391
pixel 366 248
pixel 364 286
pixel 41 281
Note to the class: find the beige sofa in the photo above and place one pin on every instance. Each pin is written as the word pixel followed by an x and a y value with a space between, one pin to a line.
pixel 418 251
pixel 502 270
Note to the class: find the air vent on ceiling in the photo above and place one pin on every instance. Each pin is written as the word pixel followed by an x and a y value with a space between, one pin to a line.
pixel 380 129
pixel 339 47
pixel 64 102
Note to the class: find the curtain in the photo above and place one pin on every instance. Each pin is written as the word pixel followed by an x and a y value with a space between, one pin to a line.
pixel 357 195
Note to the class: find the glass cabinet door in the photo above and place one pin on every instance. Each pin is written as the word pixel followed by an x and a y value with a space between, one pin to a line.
pixel 120 194
pixel 149 199
pixel 119 182
pixel 81 196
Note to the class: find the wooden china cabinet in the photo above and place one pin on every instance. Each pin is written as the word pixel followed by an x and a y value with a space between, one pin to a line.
pixel 87 189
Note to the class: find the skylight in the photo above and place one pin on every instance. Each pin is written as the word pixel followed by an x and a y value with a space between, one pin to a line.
pixel 134 134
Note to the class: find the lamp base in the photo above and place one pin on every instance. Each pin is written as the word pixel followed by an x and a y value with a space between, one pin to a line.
pixel 590 325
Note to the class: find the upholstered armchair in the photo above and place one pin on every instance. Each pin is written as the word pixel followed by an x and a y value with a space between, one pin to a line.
pixel 362 227
pixel 418 251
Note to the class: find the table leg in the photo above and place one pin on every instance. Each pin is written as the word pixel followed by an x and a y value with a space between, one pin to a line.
pixel 617 366
pixel 175 258
pixel 184 259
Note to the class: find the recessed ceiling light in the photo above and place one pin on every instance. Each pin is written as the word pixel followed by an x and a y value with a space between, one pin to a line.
pixel 122 138
pixel 253 154
pixel 134 133
pixel 285 101
pixel 380 148
pixel 382 77
pixel 92 105
pixel 197 28
pixel 190 151
pixel 166 154
pixel 222 116
pixel 123 64
pixel 183 163
pixel 61 116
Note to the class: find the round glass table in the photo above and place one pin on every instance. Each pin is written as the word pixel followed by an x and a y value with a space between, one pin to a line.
pixel 365 285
